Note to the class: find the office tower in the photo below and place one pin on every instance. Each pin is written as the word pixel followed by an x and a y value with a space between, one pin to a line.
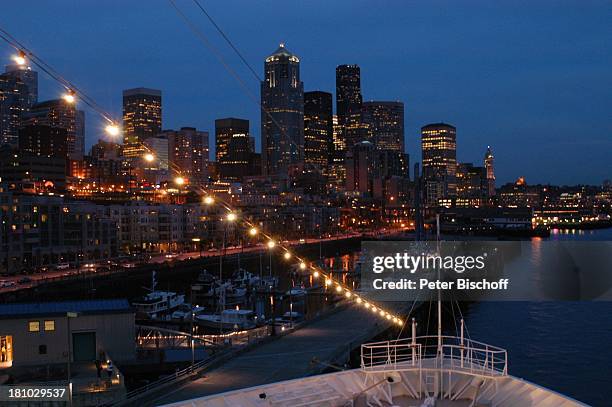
pixel 234 148
pixel 106 150
pixel 386 120
pixel 489 161
pixel 348 103
pixel 439 150
pixel 142 118
pixel 362 168
pixel 472 185
pixel 282 116
pixel 188 154
pixel 318 128
pixel 25 74
pixel 158 147
pixel 59 113
pixel 18 91
pixel 43 140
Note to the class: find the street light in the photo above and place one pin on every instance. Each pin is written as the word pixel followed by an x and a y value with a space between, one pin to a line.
pixel 149 157
pixel 287 255
pixel 209 200
pixel 231 217
pixel 112 130
pixel 253 231
pixel 69 96
pixel 179 181
pixel 271 244
pixel 20 58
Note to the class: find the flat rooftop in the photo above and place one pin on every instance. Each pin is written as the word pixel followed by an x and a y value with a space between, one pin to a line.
pixel 88 307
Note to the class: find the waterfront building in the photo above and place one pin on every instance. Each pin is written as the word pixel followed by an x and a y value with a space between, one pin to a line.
pixel 142 118
pixel 40 333
pixel 234 148
pixel 282 113
pixel 520 195
pixel 386 120
pixel 439 152
pixel 39 230
pixel 318 128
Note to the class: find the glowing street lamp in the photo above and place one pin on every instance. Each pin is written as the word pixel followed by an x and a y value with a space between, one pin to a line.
pixel 112 130
pixel 231 217
pixel 302 266
pixel 20 58
pixel 149 157
pixel 271 244
pixel 287 255
pixel 209 200
pixel 69 97
pixel 179 181
pixel 253 231
pixel 315 274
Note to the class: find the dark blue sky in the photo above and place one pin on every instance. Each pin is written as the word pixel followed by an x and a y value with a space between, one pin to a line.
pixel 531 78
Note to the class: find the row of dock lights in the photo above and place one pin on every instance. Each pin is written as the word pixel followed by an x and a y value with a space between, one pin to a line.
pixel 113 130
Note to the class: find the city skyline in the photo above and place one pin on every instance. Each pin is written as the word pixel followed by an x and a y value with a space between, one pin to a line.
pixel 552 119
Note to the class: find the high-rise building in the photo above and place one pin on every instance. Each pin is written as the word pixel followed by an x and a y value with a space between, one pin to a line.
pixel 142 118
pixel 318 128
pixel 234 148
pixel 29 77
pixel 42 140
pixel 362 168
pixel 18 91
pixel 282 115
pixel 386 120
pixel 489 163
pixel 471 185
pixel 188 154
pixel 439 151
pixel 348 103
pixel 59 113
pixel 158 147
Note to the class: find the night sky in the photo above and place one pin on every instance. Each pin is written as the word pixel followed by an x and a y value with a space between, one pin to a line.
pixel 531 78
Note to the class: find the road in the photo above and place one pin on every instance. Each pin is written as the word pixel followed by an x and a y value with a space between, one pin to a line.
pixel 14 283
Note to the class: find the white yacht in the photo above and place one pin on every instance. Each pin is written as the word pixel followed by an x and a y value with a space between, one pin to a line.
pixel 229 319
pixel 157 304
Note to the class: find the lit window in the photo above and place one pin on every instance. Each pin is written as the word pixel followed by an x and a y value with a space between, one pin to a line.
pixel 34 326
pixel 50 325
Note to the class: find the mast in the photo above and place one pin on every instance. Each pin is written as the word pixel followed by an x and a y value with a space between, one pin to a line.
pixel 439 291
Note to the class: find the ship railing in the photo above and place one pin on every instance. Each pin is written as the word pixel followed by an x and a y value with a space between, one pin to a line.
pixel 424 352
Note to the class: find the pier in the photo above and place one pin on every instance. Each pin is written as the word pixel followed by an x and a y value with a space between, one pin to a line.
pixel 302 352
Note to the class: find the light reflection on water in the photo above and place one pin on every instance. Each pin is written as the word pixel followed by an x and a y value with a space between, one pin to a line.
pixel 565 346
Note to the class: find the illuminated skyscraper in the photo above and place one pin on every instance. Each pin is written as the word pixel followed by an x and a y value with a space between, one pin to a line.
pixel 318 128
pixel 188 154
pixel 348 103
pixel 282 116
pixel 142 118
pixel 489 161
pixel 18 92
pixel 439 150
pixel 386 120
pixel 59 113
pixel 233 148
